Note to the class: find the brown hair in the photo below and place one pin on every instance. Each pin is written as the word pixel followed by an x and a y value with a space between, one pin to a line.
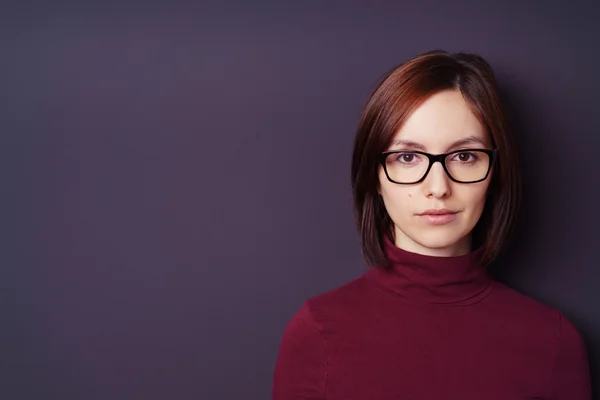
pixel 397 94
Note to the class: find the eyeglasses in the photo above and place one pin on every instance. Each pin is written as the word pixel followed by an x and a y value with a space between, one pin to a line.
pixel 462 166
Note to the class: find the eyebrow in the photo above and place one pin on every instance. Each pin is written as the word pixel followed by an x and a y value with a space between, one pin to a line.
pixel 460 142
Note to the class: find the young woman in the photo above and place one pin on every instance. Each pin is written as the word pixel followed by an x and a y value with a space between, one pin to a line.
pixel 436 188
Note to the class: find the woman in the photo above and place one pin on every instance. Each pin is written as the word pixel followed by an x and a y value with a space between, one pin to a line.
pixel 436 188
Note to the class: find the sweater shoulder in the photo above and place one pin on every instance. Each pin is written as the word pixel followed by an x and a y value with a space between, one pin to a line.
pixel 523 304
pixel 550 330
pixel 544 324
pixel 342 298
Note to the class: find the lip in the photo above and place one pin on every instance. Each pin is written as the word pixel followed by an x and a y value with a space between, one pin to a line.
pixel 438 217
pixel 441 211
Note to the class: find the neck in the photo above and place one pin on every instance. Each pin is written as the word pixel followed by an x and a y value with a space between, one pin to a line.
pixel 433 280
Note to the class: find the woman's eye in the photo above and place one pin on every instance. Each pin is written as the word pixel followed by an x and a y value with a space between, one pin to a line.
pixel 406 157
pixel 465 157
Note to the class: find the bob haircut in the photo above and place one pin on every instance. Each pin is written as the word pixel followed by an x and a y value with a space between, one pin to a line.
pixel 398 93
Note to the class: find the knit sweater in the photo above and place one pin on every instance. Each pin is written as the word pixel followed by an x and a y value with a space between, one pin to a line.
pixel 429 328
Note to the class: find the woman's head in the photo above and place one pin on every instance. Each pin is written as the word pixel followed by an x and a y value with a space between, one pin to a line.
pixel 436 103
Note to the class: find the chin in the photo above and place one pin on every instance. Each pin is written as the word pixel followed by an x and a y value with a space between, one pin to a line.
pixel 447 237
pixel 439 239
pixel 433 243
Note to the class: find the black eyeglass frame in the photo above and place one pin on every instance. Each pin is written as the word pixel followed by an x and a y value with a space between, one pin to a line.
pixel 492 154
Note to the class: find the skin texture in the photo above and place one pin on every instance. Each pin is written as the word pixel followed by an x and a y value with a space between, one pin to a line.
pixel 441 120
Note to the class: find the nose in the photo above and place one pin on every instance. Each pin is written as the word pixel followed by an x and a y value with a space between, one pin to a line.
pixel 437 182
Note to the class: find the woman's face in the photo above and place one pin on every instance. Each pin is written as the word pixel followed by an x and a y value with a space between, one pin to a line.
pixel 442 120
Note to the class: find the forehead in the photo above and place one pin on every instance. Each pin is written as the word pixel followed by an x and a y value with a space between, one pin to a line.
pixel 439 121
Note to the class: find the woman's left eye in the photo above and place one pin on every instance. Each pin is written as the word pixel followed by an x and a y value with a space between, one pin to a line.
pixel 464 156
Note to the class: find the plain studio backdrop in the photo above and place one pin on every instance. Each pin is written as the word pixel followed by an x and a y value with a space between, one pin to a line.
pixel 176 180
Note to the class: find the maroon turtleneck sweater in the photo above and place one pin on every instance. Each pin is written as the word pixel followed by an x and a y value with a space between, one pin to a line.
pixel 430 328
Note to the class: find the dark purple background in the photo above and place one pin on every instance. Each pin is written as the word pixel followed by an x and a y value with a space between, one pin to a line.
pixel 177 179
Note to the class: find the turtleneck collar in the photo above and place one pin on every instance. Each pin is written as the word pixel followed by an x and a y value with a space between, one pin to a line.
pixel 424 279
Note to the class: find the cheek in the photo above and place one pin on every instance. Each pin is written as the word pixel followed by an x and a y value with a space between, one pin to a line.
pixel 474 200
pixel 398 201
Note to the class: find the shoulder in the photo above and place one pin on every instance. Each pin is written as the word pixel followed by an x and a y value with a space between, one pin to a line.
pixel 570 346
pixel 534 322
pixel 570 376
pixel 341 300
pixel 302 364
pixel 522 306
pixel 338 303
pixel 541 320
pixel 307 317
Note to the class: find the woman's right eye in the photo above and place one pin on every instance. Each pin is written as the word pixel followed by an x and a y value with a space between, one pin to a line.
pixel 406 157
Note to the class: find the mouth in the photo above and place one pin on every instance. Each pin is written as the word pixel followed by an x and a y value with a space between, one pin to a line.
pixel 438 217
